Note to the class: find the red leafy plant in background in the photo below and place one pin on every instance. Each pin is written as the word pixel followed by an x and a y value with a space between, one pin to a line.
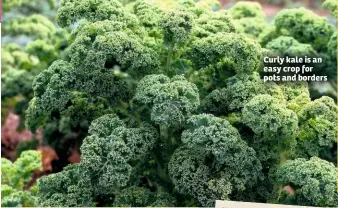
pixel 11 137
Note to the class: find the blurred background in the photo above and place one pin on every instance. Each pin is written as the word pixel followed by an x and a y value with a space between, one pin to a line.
pixel 272 7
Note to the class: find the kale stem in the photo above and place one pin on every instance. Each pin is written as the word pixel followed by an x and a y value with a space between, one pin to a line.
pixel 161 170
pixel 164 131
pixel 282 157
pixel 278 188
pixel 170 56
pixel 150 183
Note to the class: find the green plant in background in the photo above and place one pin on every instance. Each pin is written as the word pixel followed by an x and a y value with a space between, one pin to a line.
pixel 22 63
pixel 332 5
pixel 10 4
pixel 16 8
pixel 249 18
pixel 31 42
pixel 314 4
pixel 15 178
pixel 303 25
pixel 292 32
pixel 315 34
pixel 332 44
pixel 176 112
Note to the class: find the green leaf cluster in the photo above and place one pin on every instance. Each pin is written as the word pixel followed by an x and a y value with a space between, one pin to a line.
pixel 15 178
pixel 176 111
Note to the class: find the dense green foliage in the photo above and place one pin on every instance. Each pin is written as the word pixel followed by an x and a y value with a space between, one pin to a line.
pixel 249 18
pixel 15 178
pixel 292 32
pixel 168 105
pixel 302 32
pixel 316 186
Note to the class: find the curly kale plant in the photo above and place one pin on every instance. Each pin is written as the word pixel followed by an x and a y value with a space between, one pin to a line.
pixel 15 178
pixel 176 112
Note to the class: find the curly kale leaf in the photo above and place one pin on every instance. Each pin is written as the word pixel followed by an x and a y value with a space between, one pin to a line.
pixel 212 23
pixel 305 26
pixel 249 18
pixel 288 46
pixel 36 26
pixel 317 125
pixel 19 173
pixel 16 176
pixel 171 101
pixel 220 50
pixel 71 11
pixel 246 10
pixel 139 197
pixel 313 181
pixel 266 116
pixel 213 162
pixel 275 128
pixel 69 188
pixel 107 153
pixel 177 26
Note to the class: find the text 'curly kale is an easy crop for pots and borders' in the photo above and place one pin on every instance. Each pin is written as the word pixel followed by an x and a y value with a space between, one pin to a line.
pixel 174 111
